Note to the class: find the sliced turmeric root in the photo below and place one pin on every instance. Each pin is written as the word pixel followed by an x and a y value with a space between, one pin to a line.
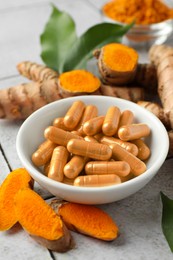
pixel 117 63
pixel 41 222
pixel 16 180
pixel 86 219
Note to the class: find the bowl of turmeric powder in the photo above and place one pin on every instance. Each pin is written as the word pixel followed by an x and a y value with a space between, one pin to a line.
pixel 153 19
pixel 92 149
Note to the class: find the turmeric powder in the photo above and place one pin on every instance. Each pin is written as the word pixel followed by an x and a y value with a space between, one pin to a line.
pixel 15 181
pixel 87 219
pixel 117 63
pixel 41 222
pixel 141 11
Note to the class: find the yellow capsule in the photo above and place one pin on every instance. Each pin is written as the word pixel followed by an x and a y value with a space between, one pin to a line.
pixel 59 122
pixel 68 181
pixel 126 118
pixel 74 114
pixel 43 154
pixel 97 180
pixel 143 150
pixel 57 163
pixel 131 148
pixel 73 168
pixel 120 168
pixel 98 136
pixel 89 149
pixel 89 138
pixel 133 131
pixel 111 121
pixel 59 136
pixel 136 165
pixel 89 112
pixel 93 126
pixel 46 168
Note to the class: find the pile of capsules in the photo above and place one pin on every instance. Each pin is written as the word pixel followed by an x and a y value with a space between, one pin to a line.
pixel 85 149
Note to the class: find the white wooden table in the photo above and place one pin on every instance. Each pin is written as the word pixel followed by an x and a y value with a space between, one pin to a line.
pixel 139 216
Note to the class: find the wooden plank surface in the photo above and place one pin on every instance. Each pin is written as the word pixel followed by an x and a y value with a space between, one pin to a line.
pixel 139 216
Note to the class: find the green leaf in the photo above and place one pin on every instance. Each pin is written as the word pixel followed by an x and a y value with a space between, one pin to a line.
pixel 167 219
pixel 93 38
pixel 58 36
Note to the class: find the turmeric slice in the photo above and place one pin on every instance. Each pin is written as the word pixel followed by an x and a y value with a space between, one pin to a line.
pixel 41 222
pixel 117 63
pixel 15 181
pixel 79 81
pixel 87 219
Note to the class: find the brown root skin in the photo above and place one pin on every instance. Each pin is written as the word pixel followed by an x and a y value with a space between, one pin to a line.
pixel 129 93
pixel 86 219
pixel 41 222
pixel 15 181
pixel 60 245
pixel 170 135
pixel 116 76
pixel 157 110
pixel 36 72
pixel 161 56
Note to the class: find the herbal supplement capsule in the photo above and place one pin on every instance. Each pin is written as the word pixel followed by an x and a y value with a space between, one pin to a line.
pixel 89 138
pixel 126 118
pixel 111 121
pixel 143 150
pixel 59 136
pixel 46 168
pixel 89 149
pixel 57 163
pixel 133 131
pixel 119 153
pixel 90 111
pixel 93 126
pixel 131 148
pixel 43 154
pixel 120 168
pixel 75 166
pixel 97 180
pixel 74 114
pixel 59 122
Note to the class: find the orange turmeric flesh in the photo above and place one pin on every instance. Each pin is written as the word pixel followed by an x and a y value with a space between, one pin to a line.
pixel 140 11
pixel 119 57
pixel 41 221
pixel 79 81
pixel 16 180
pixel 88 220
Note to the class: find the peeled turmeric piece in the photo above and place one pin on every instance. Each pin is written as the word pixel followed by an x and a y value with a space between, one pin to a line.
pixel 117 63
pixel 41 222
pixel 87 219
pixel 79 81
pixel 15 181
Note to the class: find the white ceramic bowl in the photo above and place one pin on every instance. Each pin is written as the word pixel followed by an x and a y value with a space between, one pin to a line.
pixel 31 135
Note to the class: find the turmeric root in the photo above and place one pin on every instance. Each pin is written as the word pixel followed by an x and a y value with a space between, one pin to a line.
pixel 161 56
pixel 117 63
pixel 129 93
pixel 41 222
pixel 36 72
pixel 170 135
pixel 15 181
pixel 157 110
pixel 146 77
pixel 87 219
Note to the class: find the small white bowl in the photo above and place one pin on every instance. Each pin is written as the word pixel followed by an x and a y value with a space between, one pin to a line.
pixel 31 135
